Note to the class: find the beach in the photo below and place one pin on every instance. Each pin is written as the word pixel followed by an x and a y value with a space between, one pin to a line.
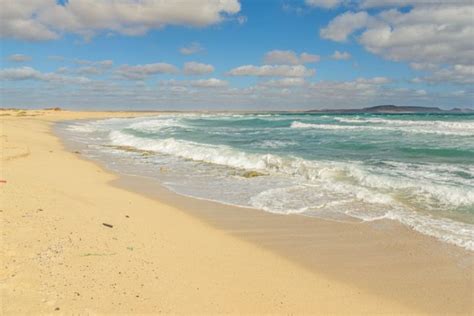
pixel 78 238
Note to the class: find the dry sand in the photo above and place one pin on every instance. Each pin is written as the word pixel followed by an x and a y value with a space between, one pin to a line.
pixel 169 254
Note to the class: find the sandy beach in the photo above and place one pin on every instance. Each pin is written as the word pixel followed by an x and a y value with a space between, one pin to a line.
pixel 78 239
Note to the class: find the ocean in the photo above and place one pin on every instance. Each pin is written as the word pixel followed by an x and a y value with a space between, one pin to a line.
pixel 417 169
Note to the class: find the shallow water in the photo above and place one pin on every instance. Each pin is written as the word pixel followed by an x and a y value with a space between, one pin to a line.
pixel 416 169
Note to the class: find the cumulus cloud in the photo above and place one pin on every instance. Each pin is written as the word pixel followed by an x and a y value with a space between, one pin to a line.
pixel 428 33
pixel 28 73
pixel 90 70
pixel 306 58
pixel 183 85
pixel 435 34
pixel 406 3
pixel 460 74
pixel 337 55
pixel 90 67
pixel 140 72
pixel 192 48
pixel 284 83
pixel 345 24
pixel 287 93
pixel 289 57
pixel 272 71
pixel 194 68
pixel 327 4
pixel 209 83
pixel 48 19
pixel 343 91
pixel 21 73
pixel 98 63
pixel 431 36
pixel 19 58
pixel 423 66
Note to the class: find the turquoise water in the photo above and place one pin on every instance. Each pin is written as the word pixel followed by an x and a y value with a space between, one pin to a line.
pixel 415 169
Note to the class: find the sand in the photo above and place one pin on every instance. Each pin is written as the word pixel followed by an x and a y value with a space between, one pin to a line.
pixel 169 254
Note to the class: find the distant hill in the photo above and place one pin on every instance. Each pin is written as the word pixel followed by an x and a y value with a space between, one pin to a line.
pixel 387 109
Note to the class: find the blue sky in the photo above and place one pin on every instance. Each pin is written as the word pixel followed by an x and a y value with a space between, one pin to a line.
pixel 240 54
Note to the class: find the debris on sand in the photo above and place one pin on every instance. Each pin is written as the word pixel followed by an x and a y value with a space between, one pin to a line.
pixel 252 174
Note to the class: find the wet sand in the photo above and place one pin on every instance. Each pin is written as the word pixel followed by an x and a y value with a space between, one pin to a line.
pixel 381 257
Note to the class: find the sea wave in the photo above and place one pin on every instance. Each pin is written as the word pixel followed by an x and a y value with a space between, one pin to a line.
pixel 307 201
pixel 419 129
pixel 155 125
pixel 456 128
pixel 406 191
pixel 366 179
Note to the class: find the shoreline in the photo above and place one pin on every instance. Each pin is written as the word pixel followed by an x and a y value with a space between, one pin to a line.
pixel 313 266
pixel 391 252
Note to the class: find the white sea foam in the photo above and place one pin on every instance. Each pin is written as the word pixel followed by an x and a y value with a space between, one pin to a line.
pixel 82 128
pixel 422 184
pixel 275 143
pixel 449 128
pixel 409 128
pixel 310 170
pixel 155 125
pixel 453 232
pixel 300 200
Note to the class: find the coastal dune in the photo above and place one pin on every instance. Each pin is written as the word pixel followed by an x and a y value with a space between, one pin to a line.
pixel 74 243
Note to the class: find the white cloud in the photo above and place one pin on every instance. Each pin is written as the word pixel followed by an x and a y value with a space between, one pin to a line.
pixel 337 55
pixel 289 57
pixel 428 34
pixel 425 34
pixel 19 19
pixel 284 83
pixel 182 85
pixel 407 3
pixel 272 71
pixel 287 93
pixel 209 83
pixel 90 70
pixel 281 57
pixel 194 68
pixel 21 73
pixel 19 58
pixel 101 63
pixel 431 36
pixel 423 66
pixel 461 74
pixel 28 73
pixel 306 58
pixel 349 91
pixel 140 72
pixel 345 24
pixel 93 67
pixel 192 48
pixel 327 4
pixel 47 19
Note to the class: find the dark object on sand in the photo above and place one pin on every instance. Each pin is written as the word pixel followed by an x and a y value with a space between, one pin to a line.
pixel 108 225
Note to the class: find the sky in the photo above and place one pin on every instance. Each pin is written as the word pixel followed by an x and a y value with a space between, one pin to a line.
pixel 236 54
